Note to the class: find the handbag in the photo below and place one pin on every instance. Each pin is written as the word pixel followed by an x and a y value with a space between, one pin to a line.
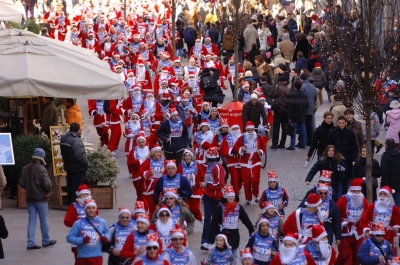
pixel 270 41
pixel 105 247
pixel 276 107
pixel 288 129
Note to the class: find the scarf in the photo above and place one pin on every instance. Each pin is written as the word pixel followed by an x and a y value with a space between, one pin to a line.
pixel 230 207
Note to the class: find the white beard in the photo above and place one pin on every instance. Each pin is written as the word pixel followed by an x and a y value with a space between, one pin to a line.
pixel 150 103
pixel 128 35
pixel 192 83
pixel 135 125
pixel 235 134
pixel 81 201
pixel 143 152
pixel 141 72
pixel 120 47
pixel 164 228
pixel 151 28
pixel 198 46
pixel 382 205
pixel 142 32
pixel 131 81
pixel 356 200
pixel 251 137
pixel 137 96
pixel 287 255
pixel 320 216
pixel 163 76
pixel 325 249
pixel 208 136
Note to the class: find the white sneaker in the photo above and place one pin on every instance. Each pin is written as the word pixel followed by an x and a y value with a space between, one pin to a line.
pixel 114 153
pixel 205 246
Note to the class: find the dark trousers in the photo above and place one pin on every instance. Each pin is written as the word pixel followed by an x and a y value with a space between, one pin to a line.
pixel 209 206
pixel 74 179
pixel 177 156
pixel 279 120
pixel 309 129
pixel 189 46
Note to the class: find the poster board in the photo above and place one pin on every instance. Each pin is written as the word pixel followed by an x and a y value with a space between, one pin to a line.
pixel 6 150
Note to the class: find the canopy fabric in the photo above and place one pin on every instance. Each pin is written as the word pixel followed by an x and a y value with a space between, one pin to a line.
pixel 10 11
pixel 33 66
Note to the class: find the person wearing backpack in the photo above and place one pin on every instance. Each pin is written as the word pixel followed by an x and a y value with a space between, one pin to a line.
pixel 208 83
pixel 190 35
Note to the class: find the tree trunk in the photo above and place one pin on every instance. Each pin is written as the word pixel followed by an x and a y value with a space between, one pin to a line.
pixel 236 43
pixel 125 10
pixel 173 29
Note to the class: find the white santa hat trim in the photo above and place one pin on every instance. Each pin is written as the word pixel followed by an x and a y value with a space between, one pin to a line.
pixel 262 220
pixel 177 234
pixel 152 243
pixel 124 210
pixel 386 190
pixel 163 209
pixel 144 220
pixel 320 236
pixel 292 239
pixel 187 151
pixel 90 203
pixel 247 255
pixel 225 239
pixel 172 194
pixel 83 192
pixel 155 148
pixel 313 205
pixel 170 163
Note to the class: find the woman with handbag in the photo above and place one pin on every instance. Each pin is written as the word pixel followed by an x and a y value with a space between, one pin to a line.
pixel 359 172
pixel 264 35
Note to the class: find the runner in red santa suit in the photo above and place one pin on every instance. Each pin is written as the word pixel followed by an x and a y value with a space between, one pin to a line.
pixel 116 110
pixel 251 148
pixel 351 207
pixel 101 23
pixel 301 220
pixel 152 27
pixel 74 36
pixel 217 63
pixel 164 61
pixel 290 253
pixel 146 55
pixel 177 69
pixel 166 103
pixel 100 119
pixel 189 169
pixel 135 45
pixel 142 30
pixel 229 72
pixel 62 22
pixel 51 13
pixel 194 83
pixel 113 33
pixel 152 255
pixel 159 32
pixel 385 212
pixel 90 43
pixel 132 129
pixel 159 48
pixel 143 76
pixel 209 48
pixel 136 157
pixel 208 62
pixel 319 248
pixel 232 159
pixel 174 87
pixel 164 225
pixel 204 139
pixel 150 171
pixel 162 76
pixel 134 101
pixel 152 107
pixel 121 49
pixel 52 24
pixel 191 67
pixel 130 80
pixel 197 51
pixel 150 42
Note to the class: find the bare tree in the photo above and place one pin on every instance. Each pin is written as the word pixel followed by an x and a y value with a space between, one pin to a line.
pixel 358 43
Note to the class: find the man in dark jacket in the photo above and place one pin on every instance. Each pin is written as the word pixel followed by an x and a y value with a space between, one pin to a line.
pixel 298 105
pixel 174 135
pixel 301 62
pixel 311 93
pixel 390 164
pixel 193 33
pixel 50 116
pixel 36 182
pixel 292 27
pixel 212 91
pixel 251 111
pixel 280 95
pixel 266 88
pixel 214 34
pixel 320 137
pixel 75 160
pixel 281 72
pixel 345 142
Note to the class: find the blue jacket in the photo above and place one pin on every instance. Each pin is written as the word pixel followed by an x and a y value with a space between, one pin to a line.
pixel 301 63
pixel 177 143
pixel 77 233
pixel 364 252
pixel 184 189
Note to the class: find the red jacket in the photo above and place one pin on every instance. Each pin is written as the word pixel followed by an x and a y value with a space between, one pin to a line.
pixel 71 216
pixel 348 230
pixel 134 165
pixel 116 110
pixel 99 120
pixel 149 180
pixel 232 159
pixel 214 189
pixel 277 261
pixel 249 159
pixel 129 248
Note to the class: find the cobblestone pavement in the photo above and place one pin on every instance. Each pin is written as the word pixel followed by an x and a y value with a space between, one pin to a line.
pixel 289 166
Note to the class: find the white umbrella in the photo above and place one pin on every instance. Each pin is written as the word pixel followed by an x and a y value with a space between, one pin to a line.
pixel 10 11
pixel 30 70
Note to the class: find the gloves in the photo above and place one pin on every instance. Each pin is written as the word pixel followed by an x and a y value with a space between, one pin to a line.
pixel 104 239
pixel 340 168
pixel 94 113
pixel 180 191
pixel 86 240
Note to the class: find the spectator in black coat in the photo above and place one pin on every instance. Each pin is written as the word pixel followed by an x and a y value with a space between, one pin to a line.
pixel 331 160
pixel 320 138
pixel 302 45
pixel 359 172
pixel 252 54
pixel 3 235
pixel 298 104
pixel 193 32
pixel 179 42
pixel 345 142
pixel 390 163
pixel 213 93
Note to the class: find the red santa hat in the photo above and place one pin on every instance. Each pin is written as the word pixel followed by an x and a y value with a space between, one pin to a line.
pixel 232 58
pixel 295 238
pixel 171 162
pixel 317 64
pixel 250 125
pixel 130 73
pixel 136 36
pixel 245 84
pixel 122 210
pixel 134 115
pixel 395 261
pixel 151 94
pixel 173 111
pixel 262 220
pixel 245 253
pixel 91 33
pixel 116 54
pixel 185 98
pixel 152 240
pixel 377 229
pixel 356 184
pixel 207 38
pixel 192 58
pixel 325 175
pixel 212 153
pixel 235 126
pixel 387 190
pixel 165 70
pixel 204 123
pixel 118 66
pixel 261 98
pixel 166 54
pixel 140 135
pixel 208 55
pixel 225 238
pixel 258 91
pixel 198 40
pixel 214 55
pixel 173 192
pixel 318 232
pixel 139 207
pixel 163 209
pixel 272 176
pixel 268 205
pixel 152 21
pixel 142 42
pixel 166 96
pixel 322 186
pixel 140 62
pixel 142 217
pixel 90 203
pixel 228 191
pixel 177 59
pixel 155 148
pixel 187 151
pixel 178 232
pixel 163 81
pixel 83 189
pixel 205 103
pixel 313 200
pixel 192 73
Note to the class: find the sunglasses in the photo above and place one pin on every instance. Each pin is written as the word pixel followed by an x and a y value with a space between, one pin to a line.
pixel 152 248
pixel 379 235
pixel 323 182
pixel 177 239
pixel 164 215
pixel 323 193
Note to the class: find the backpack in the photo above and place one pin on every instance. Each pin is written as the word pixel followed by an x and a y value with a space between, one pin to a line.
pixel 207 82
pixel 187 35
pixel 106 106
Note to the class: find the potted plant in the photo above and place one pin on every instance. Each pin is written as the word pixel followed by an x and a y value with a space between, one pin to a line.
pixel 101 176
pixel 23 150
